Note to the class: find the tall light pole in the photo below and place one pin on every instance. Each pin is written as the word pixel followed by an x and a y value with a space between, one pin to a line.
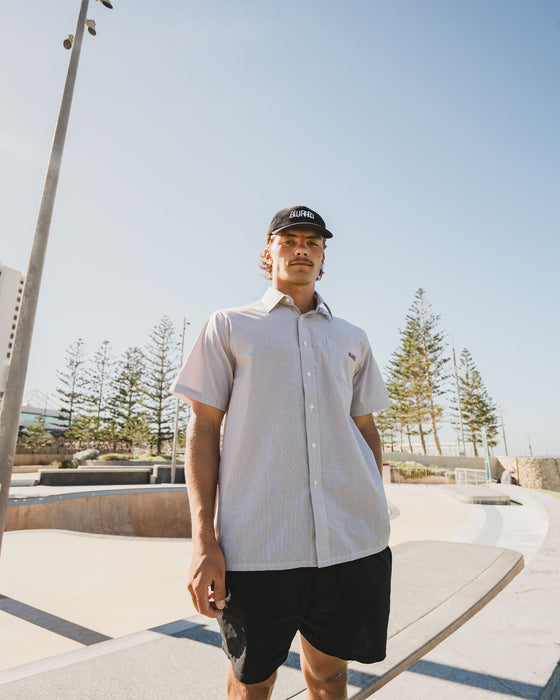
pixel 501 412
pixel 487 463
pixel 15 383
pixel 176 424
pixel 459 407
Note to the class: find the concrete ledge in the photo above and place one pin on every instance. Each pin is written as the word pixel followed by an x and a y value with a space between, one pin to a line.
pixel 420 562
pixel 87 476
pixel 162 475
pixel 481 495
pixel 142 512
pixel 512 647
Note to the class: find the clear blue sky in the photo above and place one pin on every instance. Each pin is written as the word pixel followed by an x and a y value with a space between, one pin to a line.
pixel 425 132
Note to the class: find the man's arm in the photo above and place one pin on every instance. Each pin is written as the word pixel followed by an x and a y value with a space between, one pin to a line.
pixel 202 460
pixel 366 426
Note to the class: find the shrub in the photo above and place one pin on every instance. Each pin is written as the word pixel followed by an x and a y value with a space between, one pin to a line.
pixel 113 457
pixel 413 473
pixel 69 464
pixel 149 456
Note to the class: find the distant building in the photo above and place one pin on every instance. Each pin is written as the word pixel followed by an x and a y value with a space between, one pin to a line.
pixel 11 291
pixel 53 421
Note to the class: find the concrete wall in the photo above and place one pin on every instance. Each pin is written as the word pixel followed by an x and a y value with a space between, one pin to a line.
pixel 133 514
pixel 44 458
pixel 533 472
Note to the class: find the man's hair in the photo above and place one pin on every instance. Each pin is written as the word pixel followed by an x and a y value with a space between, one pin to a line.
pixel 266 265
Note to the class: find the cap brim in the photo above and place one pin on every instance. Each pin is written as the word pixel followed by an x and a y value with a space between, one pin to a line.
pixel 322 231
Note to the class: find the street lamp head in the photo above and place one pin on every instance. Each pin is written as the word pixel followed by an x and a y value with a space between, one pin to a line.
pixel 107 4
pixel 90 24
pixel 67 43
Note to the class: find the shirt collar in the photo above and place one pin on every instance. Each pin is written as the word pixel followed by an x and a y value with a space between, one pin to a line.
pixel 273 297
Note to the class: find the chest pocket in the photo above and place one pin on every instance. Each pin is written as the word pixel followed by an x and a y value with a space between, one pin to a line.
pixel 343 359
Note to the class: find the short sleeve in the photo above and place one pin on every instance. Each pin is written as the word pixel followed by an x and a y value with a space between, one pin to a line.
pixel 370 394
pixel 207 375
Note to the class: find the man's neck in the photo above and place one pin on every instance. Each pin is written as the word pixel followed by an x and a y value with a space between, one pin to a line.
pixel 303 295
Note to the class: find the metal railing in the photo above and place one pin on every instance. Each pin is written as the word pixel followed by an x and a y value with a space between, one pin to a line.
pixel 470 476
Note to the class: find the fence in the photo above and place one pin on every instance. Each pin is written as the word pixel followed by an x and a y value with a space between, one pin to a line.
pixel 470 476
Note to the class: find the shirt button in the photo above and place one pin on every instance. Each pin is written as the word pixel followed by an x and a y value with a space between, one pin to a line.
pixel 315 483
pixel 311 406
pixel 309 374
pixel 305 342
pixel 313 445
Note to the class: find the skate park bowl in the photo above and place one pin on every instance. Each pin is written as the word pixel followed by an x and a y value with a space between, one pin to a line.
pixel 141 511
pixel 468 619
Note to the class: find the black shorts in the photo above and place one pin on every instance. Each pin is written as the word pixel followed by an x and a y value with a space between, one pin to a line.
pixel 342 610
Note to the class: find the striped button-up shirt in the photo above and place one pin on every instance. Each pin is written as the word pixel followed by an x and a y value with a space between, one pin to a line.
pixel 298 484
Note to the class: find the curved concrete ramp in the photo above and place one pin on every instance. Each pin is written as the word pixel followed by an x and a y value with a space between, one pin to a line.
pixel 140 512
pixel 437 586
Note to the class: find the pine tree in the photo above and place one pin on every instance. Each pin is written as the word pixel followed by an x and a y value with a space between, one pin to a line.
pixel 426 362
pixel 478 409
pixel 98 379
pixel 405 388
pixel 136 431
pixel 36 435
pixel 126 398
pixel 71 390
pixel 161 367
pixel 82 429
pixel 386 422
pixel 126 386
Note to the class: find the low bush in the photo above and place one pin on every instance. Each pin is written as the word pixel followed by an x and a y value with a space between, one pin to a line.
pixel 69 464
pixel 149 456
pixel 113 457
pixel 414 470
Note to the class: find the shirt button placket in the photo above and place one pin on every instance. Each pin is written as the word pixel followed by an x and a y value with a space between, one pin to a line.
pixel 312 427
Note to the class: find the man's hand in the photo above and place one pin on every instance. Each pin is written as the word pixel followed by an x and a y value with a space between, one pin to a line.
pixel 207 585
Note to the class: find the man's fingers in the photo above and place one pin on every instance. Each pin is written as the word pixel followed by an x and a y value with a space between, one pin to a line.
pixel 206 582
pixel 220 594
pixel 203 600
pixel 193 596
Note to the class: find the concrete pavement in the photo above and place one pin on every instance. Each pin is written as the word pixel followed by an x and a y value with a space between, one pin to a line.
pixel 131 584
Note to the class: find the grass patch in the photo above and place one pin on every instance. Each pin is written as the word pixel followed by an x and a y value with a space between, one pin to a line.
pixel 556 494
pixel 146 457
pixel 129 457
pixel 115 457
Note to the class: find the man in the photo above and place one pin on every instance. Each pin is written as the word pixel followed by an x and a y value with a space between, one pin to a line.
pixel 508 477
pixel 301 536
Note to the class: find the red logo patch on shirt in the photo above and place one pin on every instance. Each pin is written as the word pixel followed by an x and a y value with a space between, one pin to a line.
pixel 352 356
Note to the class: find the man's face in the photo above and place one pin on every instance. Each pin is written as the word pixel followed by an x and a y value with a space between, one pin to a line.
pixel 296 255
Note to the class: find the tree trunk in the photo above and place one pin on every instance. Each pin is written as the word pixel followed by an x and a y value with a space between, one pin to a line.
pixel 473 438
pixel 422 438
pixel 433 419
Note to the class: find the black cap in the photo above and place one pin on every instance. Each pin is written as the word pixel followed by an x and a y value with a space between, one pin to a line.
pixel 298 216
